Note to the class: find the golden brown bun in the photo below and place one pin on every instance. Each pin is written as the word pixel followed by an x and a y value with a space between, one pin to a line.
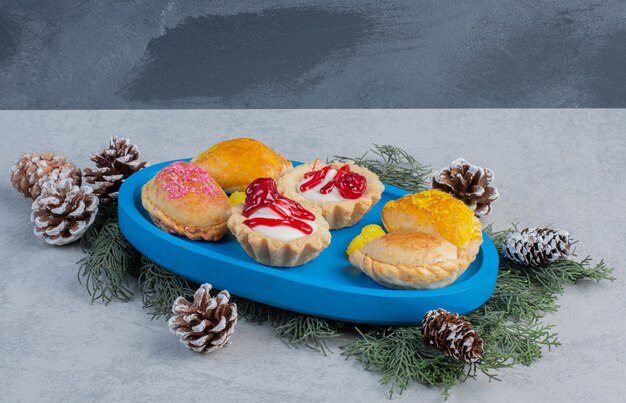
pixel 197 209
pixel 339 214
pixel 274 252
pixel 236 163
pixel 414 260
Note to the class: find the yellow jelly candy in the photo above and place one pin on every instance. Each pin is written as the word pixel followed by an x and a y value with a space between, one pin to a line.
pixel 237 198
pixel 368 233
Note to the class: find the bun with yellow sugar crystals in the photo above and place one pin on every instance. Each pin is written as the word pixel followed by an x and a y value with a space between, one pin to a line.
pixel 432 240
pixel 435 212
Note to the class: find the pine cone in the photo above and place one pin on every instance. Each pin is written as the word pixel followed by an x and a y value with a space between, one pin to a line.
pixel 537 246
pixel 113 166
pixel 63 211
pixel 32 170
pixel 469 183
pixel 452 334
pixel 207 323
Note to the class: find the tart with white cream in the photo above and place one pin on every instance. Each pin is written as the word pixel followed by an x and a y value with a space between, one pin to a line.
pixel 343 191
pixel 275 230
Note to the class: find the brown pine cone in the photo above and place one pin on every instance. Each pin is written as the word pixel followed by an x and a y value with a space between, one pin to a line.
pixel 206 323
pixel 537 246
pixel 469 183
pixel 452 334
pixel 63 211
pixel 113 166
pixel 32 170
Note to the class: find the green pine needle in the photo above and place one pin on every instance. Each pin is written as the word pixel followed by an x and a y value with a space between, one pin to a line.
pixel 310 331
pixel 395 166
pixel 296 328
pixel 105 268
pixel 159 288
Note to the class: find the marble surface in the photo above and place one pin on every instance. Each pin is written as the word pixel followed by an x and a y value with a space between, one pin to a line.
pixel 560 167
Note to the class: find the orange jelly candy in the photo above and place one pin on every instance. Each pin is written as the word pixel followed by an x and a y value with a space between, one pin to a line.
pixel 432 210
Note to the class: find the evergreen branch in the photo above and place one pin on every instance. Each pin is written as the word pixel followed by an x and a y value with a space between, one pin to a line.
pixel 400 356
pixel 395 166
pixel 159 288
pixel 295 328
pixel 518 298
pixel 105 268
pixel 310 331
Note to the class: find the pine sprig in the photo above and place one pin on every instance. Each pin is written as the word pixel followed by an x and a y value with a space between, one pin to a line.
pixel 400 357
pixel 105 268
pixel 395 166
pixel 159 288
pixel 295 328
pixel 310 331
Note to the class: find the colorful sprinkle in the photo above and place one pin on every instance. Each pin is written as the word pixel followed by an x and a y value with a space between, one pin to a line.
pixel 181 178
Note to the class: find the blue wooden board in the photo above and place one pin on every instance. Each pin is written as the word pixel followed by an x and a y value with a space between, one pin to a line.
pixel 328 286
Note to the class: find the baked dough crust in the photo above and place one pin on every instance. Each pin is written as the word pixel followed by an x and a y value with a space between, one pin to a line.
pixel 414 260
pixel 274 252
pixel 339 214
pixel 235 163
pixel 196 216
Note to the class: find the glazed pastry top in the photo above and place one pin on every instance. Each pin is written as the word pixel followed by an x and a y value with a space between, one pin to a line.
pixel 276 216
pixel 332 185
pixel 236 163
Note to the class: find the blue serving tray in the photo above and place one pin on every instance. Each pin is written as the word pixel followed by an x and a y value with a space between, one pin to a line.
pixel 328 286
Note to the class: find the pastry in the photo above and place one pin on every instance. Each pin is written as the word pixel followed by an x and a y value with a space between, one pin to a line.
pixel 413 260
pixel 344 192
pixel 184 199
pixel 275 230
pixel 432 240
pixel 236 163
pixel 432 211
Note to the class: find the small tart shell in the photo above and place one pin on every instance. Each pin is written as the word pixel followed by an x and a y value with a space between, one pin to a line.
pixel 414 260
pixel 274 252
pixel 196 216
pixel 339 214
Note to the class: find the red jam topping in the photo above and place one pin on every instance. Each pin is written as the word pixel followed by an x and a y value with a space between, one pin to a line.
pixel 261 193
pixel 349 184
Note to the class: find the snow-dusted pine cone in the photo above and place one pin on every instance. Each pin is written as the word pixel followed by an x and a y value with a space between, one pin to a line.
pixel 537 246
pixel 453 335
pixel 32 170
pixel 63 211
pixel 206 323
pixel 469 183
pixel 113 166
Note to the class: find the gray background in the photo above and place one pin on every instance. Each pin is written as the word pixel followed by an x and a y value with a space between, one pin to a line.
pixel 550 169
pixel 81 54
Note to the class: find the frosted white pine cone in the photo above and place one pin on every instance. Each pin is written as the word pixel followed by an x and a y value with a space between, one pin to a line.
pixel 63 211
pixel 205 324
pixel 537 246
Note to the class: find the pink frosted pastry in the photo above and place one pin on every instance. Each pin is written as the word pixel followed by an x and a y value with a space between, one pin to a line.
pixel 184 199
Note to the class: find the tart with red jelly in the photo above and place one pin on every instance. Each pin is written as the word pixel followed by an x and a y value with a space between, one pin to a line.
pixel 275 230
pixel 343 191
